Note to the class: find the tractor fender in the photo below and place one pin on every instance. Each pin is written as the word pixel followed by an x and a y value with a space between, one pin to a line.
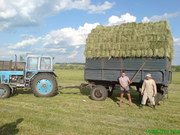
pixel 54 74
pixel 12 89
pixel 44 73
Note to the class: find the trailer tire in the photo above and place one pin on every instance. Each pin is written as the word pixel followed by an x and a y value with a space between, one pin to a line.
pixel 158 97
pixel 98 93
pixel 5 91
pixel 44 85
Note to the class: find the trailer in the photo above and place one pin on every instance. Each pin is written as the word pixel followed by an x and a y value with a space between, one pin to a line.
pixel 103 73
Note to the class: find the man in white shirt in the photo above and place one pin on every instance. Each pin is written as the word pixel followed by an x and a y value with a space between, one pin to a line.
pixel 124 83
pixel 149 90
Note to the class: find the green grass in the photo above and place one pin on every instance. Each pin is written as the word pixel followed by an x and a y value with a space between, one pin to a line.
pixel 176 68
pixel 176 78
pixel 73 113
pixel 69 66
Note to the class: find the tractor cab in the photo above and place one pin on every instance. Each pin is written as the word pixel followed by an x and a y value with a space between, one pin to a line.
pixel 38 64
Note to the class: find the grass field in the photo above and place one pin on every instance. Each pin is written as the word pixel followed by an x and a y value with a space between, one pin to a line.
pixel 73 113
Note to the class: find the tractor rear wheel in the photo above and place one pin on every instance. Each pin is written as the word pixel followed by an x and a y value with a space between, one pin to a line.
pixel 44 85
pixel 5 91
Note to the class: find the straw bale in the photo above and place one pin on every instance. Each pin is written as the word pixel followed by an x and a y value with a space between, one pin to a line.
pixel 131 40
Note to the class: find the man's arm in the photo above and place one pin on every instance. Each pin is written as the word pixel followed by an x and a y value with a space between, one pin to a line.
pixel 143 87
pixel 154 88
pixel 121 83
pixel 129 81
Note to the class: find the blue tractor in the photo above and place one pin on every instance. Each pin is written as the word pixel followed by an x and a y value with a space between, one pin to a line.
pixel 36 73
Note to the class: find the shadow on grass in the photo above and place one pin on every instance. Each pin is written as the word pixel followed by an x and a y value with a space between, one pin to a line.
pixel 21 91
pixel 134 95
pixel 62 92
pixel 10 128
pixel 83 91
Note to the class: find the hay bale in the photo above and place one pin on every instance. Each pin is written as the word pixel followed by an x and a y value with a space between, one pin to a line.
pixel 130 40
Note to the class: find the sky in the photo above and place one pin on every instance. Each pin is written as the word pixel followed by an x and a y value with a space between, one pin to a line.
pixel 60 27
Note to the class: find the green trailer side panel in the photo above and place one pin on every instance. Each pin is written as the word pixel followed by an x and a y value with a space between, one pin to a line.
pixel 104 69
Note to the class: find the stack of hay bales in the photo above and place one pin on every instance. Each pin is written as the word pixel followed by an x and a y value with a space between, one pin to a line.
pixel 130 40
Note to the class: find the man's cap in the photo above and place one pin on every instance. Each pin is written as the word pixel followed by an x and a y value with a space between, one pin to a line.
pixel 148 75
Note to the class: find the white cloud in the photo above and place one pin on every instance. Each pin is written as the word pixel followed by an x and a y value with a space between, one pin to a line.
pixel 74 54
pixel 82 5
pixel 26 36
pixel 19 13
pixel 145 20
pixel 125 18
pixel 5 54
pixel 24 43
pixel 8 14
pixel 68 36
pixel 65 36
pixel 57 38
pixel 67 42
pixel 176 41
pixel 165 16
pixel 54 50
pixel 100 8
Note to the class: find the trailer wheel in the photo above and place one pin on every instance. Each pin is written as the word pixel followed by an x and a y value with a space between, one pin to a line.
pixel 5 91
pixel 158 97
pixel 44 85
pixel 99 93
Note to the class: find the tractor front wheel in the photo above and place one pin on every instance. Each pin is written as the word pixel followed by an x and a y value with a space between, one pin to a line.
pixel 5 91
pixel 44 85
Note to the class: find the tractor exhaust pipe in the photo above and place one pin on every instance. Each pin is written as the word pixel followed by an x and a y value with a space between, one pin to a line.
pixel 15 65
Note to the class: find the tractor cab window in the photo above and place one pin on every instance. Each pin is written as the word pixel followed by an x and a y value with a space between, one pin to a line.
pixel 45 63
pixel 32 63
